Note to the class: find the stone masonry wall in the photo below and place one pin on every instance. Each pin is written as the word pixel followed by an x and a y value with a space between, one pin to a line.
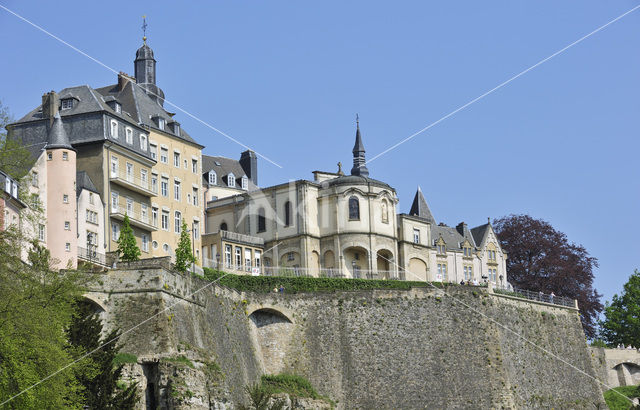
pixel 373 349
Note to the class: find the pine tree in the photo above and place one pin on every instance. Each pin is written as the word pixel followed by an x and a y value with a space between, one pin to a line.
pixel 97 373
pixel 127 245
pixel 184 256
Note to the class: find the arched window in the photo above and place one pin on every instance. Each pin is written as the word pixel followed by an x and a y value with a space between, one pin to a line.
pixel 287 213
pixel 212 178
pixel 354 208
pixel 231 180
pixel 262 223
pixel 223 226
pixel 385 212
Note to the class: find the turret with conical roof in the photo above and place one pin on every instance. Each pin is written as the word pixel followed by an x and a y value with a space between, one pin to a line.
pixel 420 208
pixel 359 162
pixel 57 137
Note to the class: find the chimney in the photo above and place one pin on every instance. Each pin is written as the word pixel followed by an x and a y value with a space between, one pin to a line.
pixel 249 163
pixel 50 104
pixel 461 228
pixel 123 79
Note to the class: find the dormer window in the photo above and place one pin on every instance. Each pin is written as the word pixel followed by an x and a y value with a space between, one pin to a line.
pixel 129 135
pixel 117 108
pixel 161 123
pixel 176 128
pixel 212 178
pixel 245 183
pixel 143 142
pixel 114 129
pixel 66 104
pixel 467 251
pixel 441 249
pixel 231 180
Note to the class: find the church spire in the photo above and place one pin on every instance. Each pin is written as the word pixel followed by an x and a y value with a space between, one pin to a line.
pixel 359 162
pixel 420 208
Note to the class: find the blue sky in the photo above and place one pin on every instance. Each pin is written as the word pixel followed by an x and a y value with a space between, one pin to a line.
pixel 287 78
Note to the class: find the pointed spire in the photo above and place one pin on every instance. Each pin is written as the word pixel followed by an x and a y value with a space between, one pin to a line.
pixel 420 208
pixel 359 162
pixel 57 137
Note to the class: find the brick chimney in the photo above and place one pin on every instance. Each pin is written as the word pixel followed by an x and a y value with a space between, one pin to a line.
pixel 462 226
pixel 50 104
pixel 123 79
pixel 249 163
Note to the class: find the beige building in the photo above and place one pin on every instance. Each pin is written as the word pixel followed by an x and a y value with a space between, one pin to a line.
pixel 10 204
pixel 348 226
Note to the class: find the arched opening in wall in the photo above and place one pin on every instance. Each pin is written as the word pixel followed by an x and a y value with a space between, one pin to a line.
pixel 151 379
pixel 628 374
pixel 384 264
pixel 272 330
pixel 357 260
pixel 223 226
pixel 417 269
pixel 384 211
pixel 329 264
pixel 290 263
pixel 314 263
pixel 86 306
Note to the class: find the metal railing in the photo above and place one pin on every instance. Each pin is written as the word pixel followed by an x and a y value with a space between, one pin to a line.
pixel 537 296
pixel 132 214
pixel 93 256
pixel 238 237
pixel 131 179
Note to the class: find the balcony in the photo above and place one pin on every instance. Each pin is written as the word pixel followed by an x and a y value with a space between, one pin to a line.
pixel 240 238
pixel 133 183
pixel 92 256
pixel 135 218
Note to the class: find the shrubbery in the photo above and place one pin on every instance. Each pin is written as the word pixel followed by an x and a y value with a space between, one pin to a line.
pixel 265 284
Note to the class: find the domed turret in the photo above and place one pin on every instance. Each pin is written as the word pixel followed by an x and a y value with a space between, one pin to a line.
pixel 145 71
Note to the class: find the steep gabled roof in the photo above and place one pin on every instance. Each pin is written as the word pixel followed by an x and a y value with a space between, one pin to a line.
pixel 480 233
pixel 83 181
pixel 420 208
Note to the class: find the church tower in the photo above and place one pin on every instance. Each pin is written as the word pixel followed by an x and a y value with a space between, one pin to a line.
pixel 145 70
pixel 62 230
pixel 359 162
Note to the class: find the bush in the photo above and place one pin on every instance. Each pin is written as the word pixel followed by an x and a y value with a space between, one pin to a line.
pixel 616 402
pixel 122 358
pixel 291 384
pixel 598 343
pixel 266 284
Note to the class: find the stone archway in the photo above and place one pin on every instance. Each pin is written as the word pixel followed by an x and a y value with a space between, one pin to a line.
pixel 272 331
pixel 356 259
pixel 385 269
pixel 417 269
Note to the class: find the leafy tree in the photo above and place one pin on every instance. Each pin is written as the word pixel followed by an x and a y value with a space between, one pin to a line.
pixel 542 259
pixel 35 308
pixel 127 245
pixel 15 159
pixel 97 373
pixel 184 255
pixel 622 316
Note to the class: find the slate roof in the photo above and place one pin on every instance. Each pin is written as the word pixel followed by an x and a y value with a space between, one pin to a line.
pixel 356 180
pixel 83 181
pixel 450 235
pixel 57 137
pixel 225 166
pixel 141 107
pixel 88 101
pixel 479 233
pixel 420 208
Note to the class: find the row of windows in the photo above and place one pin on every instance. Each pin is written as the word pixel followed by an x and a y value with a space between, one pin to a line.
pixel 65 156
pixel 164 158
pixel 115 235
pixel 242 259
pixel 231 180
pixel 128 135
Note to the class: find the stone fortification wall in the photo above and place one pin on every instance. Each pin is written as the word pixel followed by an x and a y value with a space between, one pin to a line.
pixel 373 349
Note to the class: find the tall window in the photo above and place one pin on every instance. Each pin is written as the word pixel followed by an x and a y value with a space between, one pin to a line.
pixel 144 212
pixel 354 208
pixel 176 190
pixel 262 223
pixel 115 231
pixel 145 242
pixel 177 221
pixel 154 183
pixel 441 249
pixel 153 148
pixel 143 178
pixel 114 167
pixel 227 256
pixel 176 159
pixel 247 259
pixel 154 216
pixel 194 166
pixel 164 187
pixel 257 257
pixel 287 213
pixel 143 142
pixel 114 129
pixel 231 180
pixel 238 257
pixel 164 155
pixel 165 220
pixel 129 206
pixel 129 135
pixel 416 235
pixel 41 232
pixel 245 183
pixel 114 201
pixel 195 196
pixel 196 229
pixel 129 171
pixel 212 178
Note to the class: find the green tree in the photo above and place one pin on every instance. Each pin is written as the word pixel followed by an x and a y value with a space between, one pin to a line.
pixel 35 309
pixel 97 372
pixel 15 159
pixel 127 245
pixel 184 255
pixel 622 316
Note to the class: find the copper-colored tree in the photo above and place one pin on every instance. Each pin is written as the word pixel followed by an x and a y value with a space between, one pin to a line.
pixel 540 258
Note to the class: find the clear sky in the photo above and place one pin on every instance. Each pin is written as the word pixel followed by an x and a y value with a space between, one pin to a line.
pixel 287 78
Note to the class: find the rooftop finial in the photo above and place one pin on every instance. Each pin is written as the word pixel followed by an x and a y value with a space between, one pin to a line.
pixel 144 29
pixel 357 120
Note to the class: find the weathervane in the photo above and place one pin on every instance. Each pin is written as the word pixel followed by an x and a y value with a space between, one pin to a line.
pixel 357 119
pixel 144 28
